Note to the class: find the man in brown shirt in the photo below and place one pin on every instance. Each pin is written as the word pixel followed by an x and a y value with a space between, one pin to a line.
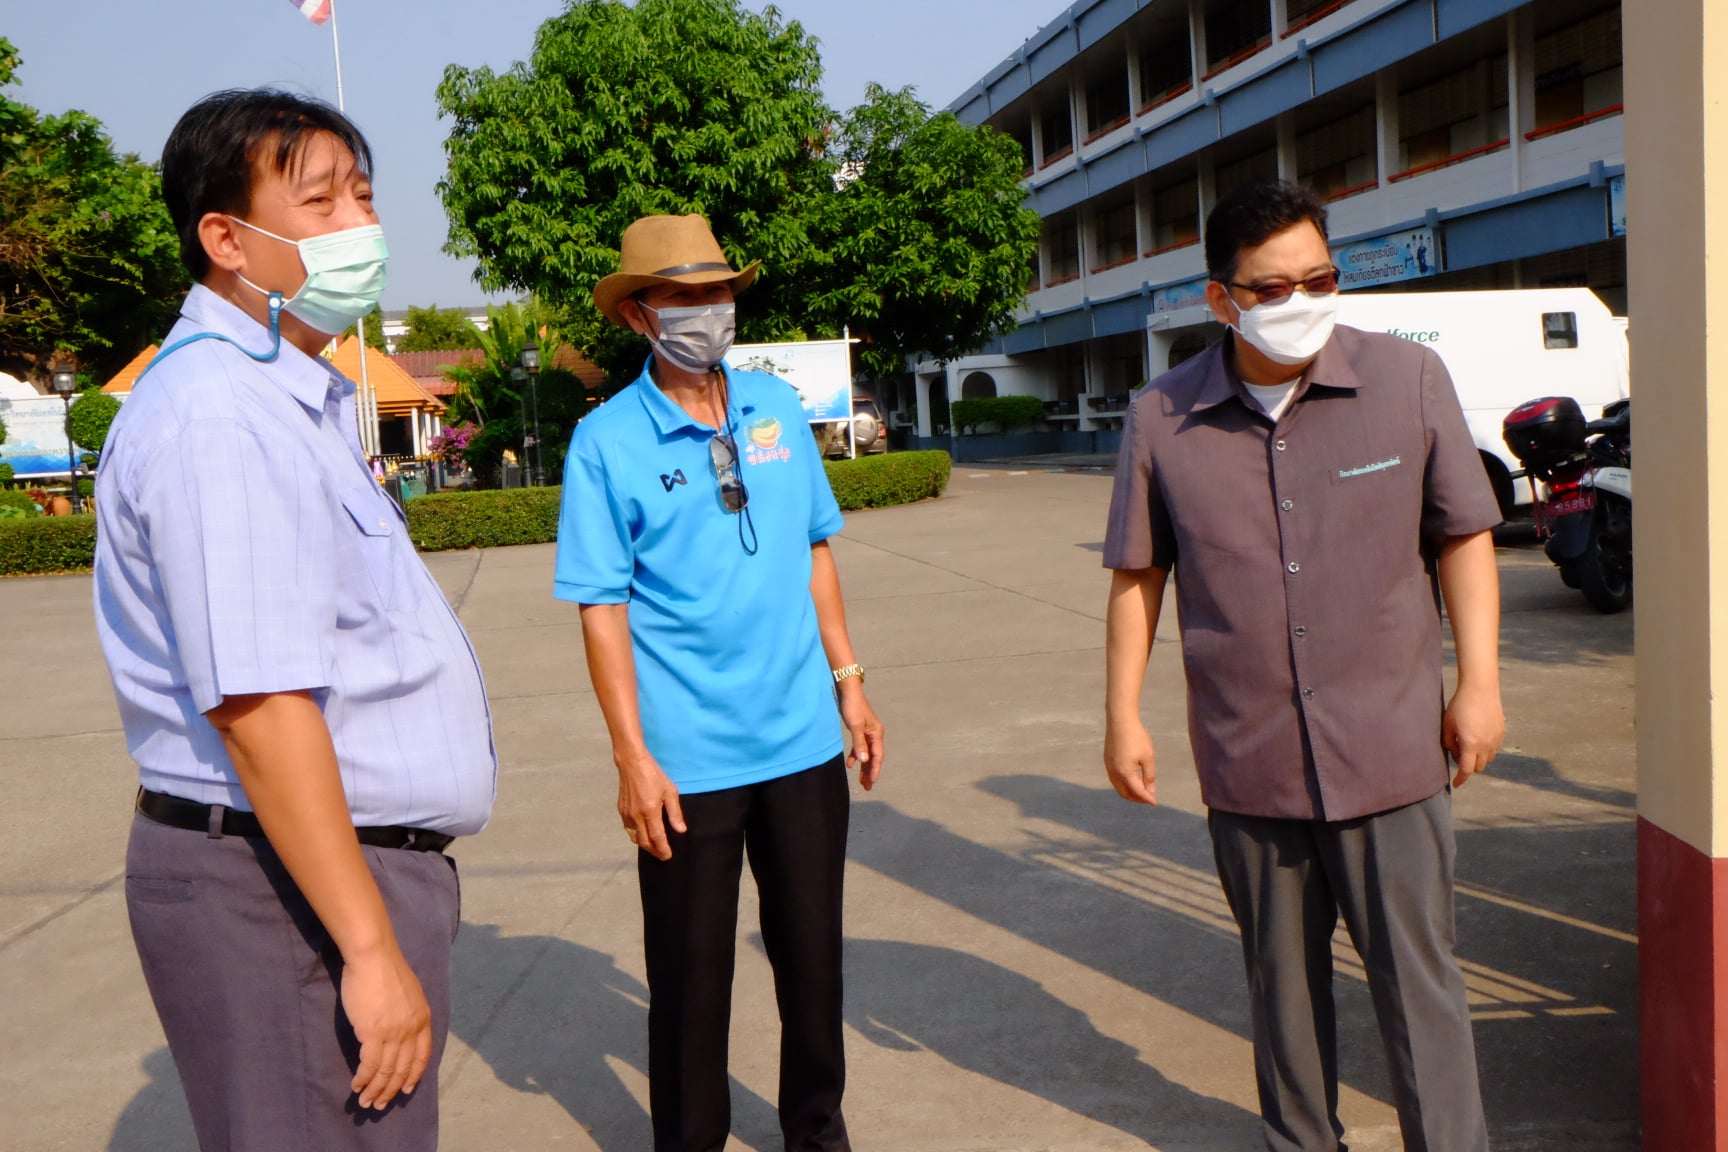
pixel 1315 491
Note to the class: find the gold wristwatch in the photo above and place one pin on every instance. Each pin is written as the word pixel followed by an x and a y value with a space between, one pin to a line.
pixel 846 673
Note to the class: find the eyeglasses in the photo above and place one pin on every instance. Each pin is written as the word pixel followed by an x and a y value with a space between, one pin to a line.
pixel 1272 291
pixel 723 451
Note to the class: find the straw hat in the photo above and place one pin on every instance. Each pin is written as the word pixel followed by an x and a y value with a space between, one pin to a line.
pixel 667 250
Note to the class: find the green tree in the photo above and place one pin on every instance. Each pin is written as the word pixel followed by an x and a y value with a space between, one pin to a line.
pixel 924 245
pixel 667 106
pixel 438 329
pixel 374 330
pixel 90 417
pixel 489 396
pixel 89 260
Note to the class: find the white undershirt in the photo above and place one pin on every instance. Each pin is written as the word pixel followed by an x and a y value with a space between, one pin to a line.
pixel 1273 399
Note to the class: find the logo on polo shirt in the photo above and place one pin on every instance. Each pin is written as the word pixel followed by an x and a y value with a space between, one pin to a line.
pixel 674 479
pixel 765 446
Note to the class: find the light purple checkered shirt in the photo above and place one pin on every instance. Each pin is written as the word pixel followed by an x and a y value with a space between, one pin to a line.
pixel 244 547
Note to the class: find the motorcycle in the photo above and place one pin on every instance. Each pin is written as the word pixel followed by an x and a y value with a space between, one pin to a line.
pixel 1580 477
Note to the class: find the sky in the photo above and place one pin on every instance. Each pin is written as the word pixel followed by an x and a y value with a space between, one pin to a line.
pixel 138 66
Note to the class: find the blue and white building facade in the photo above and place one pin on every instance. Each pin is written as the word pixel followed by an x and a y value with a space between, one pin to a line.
pixel 1462 144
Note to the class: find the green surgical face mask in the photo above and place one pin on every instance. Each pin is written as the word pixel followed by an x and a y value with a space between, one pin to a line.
pixel 344 275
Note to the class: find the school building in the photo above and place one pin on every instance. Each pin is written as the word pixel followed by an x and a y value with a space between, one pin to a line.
pixel 1462 144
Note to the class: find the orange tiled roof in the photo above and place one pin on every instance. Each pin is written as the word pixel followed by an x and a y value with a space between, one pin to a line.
pixel 396 390
pixel 128 376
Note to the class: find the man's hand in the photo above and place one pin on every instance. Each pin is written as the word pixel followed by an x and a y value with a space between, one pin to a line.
pixel 647 802
pixel 384 1002
pixel 1472 731
pixel 1130 761
pixel 866 730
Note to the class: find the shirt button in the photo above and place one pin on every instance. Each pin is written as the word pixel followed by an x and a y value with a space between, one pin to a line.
pixel 383 523
pixel 1294 567
pixel 1301 632
pixel 1280 445
pixel 1287 505
pixel 1307 693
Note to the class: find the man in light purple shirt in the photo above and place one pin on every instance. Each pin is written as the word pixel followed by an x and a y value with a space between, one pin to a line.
pixel 306 712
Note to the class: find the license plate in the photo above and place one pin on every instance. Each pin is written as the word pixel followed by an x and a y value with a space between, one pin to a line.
pixel 1582 500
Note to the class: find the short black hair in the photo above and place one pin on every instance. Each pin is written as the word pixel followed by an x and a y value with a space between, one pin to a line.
pixel 211 156
pixel 1251 214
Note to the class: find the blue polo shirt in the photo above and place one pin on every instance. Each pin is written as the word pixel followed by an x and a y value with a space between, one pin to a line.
pixel 731 678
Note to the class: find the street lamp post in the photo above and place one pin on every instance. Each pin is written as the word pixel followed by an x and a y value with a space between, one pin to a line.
pixel 64 381
pixel 531 361
pixel 517 375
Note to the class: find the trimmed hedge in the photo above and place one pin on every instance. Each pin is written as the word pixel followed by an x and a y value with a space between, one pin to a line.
pixel 889 479
pixel 1006 412
pixel 43 544
pixel 494 519
pixel 20 501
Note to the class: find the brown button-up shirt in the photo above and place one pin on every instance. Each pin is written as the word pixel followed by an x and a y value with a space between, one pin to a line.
pixel 1303 554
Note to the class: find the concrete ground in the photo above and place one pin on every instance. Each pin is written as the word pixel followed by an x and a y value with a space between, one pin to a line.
pixel 1033 963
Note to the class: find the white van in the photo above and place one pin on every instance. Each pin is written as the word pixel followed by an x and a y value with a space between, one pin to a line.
pixel 1503 348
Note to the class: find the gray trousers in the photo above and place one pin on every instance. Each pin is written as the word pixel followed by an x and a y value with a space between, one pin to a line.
pixel 1391 877
pixel 245 981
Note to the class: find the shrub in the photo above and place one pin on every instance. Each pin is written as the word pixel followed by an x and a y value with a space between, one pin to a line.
pixel 18 500
pixel 47 544
pixel 889 479
pixel 89 419
pixel 1006 412
pixel 493 519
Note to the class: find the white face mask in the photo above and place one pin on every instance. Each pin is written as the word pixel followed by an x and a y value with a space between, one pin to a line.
pixel 695 339
pixel 344 275
pixel 1292 330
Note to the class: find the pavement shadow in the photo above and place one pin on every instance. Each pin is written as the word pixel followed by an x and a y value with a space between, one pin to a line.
pixel 157 1119
pixel 551 1016
pixel 1534 772
pixel 995 1022
pixel 1545 917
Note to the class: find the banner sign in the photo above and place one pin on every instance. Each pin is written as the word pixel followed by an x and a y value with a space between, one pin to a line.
pixel 1389 259
pixel 1177 297
pixel 36 436
pixel 820 370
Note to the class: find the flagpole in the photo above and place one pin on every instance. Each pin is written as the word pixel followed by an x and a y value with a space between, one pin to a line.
pixel 367 405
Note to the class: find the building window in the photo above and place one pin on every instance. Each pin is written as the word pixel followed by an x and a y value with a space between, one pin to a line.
pixel 1259 166
pixel 978 386
pixel 1106 102
pixel 1115 241
pixel 1166 69
pixel 1175 217
pixel 1235 30
pixel 1454 117
pixel 1056 126
pixel 1578 73
pixel 1021 132
pixel 1062 247
pixel 1337 159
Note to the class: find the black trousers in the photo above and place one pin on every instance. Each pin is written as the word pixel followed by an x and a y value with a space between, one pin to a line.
pixel 794 831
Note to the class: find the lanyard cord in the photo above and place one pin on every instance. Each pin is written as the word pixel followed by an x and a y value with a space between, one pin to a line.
pixel 261 357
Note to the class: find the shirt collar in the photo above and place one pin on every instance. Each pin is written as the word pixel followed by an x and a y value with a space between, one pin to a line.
pixel 306 378
pixel 670 419
pixel 1330 369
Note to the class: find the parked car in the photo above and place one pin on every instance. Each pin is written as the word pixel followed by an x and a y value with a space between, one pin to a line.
pixel 868 429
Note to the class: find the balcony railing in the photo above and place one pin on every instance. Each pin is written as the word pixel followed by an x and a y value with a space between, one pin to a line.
pixel 1253 49
pixel 1576 122
pixel 1118 263
pixel 1119 122
pixel 1435 165
pixel 1180 244
pixel 1168 95
pixel 1313 17
pixel 1346 193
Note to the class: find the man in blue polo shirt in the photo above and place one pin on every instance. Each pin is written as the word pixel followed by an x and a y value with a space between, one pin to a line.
pixel 694 534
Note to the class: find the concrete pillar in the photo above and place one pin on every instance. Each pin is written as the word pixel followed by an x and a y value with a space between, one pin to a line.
pixel 1386 123
pixel 1136 98
pixel 1286 144
pixel 1280 19
pixel 1677 149
pixel 1521 85
pixel 1197 38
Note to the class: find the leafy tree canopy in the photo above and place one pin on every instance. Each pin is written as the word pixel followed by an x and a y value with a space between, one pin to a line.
pixel 438 329
pixel 89 261
pixel 667 106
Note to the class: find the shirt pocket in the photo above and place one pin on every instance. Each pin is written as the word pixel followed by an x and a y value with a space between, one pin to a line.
pixel 372 549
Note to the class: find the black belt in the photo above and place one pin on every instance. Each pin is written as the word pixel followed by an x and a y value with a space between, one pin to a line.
pixel 178 813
